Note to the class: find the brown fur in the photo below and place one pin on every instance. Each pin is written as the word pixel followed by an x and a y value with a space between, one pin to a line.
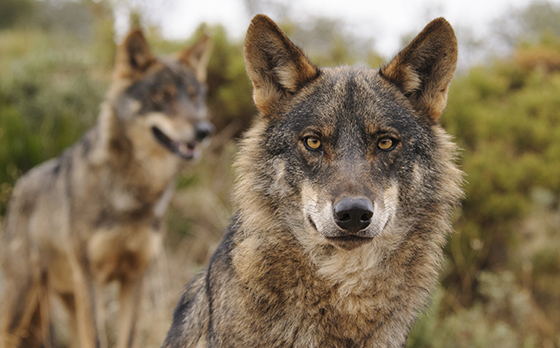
pixel 95 214
pixel 290 272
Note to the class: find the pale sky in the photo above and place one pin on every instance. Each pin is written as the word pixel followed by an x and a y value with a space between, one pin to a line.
pixel 383 20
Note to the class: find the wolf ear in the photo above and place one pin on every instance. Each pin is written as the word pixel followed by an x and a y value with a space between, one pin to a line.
pixel 275 65
pixel 133 56
pixel 424 69
pixel 197 56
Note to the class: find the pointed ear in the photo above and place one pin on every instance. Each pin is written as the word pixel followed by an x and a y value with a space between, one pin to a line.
pixel 133 56
pixel 197 56
pixel 275 65
pixel 424 69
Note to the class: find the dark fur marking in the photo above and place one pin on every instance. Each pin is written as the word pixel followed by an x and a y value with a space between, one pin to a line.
pixel 86 145
pixel 56 169
pixel 222 260
pixel 27 206
pixel 105 219
pixel 156 224
pixel 20 310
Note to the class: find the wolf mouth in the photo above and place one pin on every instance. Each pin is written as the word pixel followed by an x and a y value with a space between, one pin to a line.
pixel 184 150
pixel 346 241
pixel 349 242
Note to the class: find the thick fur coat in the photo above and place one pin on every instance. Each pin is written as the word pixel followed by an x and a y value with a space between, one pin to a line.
pixel 345 186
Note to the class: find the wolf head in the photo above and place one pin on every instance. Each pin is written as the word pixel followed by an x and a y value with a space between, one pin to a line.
pixel 160 102
pixel 341 154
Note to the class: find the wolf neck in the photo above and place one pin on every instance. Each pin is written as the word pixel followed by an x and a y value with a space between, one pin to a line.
pixel 139 178
pixel 336 285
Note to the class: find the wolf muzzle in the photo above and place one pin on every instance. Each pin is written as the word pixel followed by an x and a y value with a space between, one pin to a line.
pixel 186 150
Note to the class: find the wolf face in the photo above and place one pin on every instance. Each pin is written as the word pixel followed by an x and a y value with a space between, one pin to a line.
pixel 349 155
pixel 353 144
pixel 163 97
pixel 350 150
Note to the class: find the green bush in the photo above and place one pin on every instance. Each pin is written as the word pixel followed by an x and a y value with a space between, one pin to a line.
pixel 48 99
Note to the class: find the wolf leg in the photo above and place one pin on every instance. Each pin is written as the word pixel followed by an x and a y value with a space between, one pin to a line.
pixel 70 304
pixel 129 301
pixel 20 324
pixel 84 301
pixel 100 316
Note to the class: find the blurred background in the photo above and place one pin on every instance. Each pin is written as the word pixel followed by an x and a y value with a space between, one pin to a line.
pixel 500 284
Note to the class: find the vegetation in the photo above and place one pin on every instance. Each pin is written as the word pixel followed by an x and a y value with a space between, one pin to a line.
pixel 501 281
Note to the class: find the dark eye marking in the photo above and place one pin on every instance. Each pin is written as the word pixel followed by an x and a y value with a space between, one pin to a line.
pixel 162 96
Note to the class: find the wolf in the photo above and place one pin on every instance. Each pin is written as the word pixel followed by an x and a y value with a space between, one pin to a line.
pixel 95 214
pixel 346 183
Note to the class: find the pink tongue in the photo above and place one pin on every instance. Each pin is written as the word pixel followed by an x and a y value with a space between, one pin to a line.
pixel 186 149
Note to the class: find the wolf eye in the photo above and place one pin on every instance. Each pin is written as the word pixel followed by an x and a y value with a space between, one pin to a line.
pixel 386 144
pixel 312 143
pixel 163 96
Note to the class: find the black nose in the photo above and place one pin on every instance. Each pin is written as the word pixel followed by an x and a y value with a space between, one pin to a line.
pixel 203 129
pixel 353 214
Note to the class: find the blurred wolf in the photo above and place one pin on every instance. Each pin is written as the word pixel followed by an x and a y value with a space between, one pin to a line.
pixel 346 184
pixel 95 214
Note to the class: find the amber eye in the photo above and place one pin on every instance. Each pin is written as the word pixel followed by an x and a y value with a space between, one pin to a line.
pixel 386 143
pixel 312 143
pixel 163 96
